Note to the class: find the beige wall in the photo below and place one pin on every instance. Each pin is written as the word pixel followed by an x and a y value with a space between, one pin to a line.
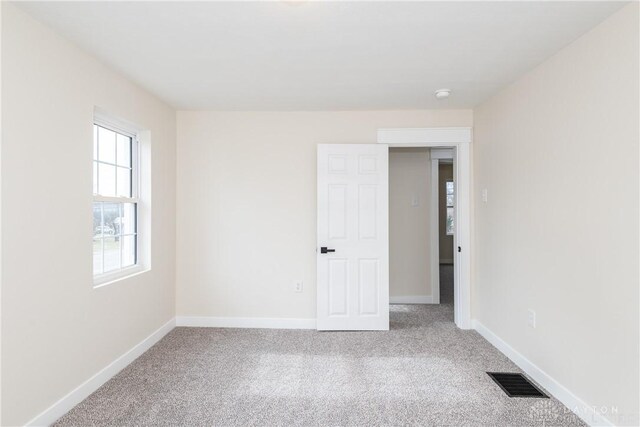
pixel 247 197
pixel 558 153
pixel 409 234
pixel 57 330
pixel 565 245
pixel 1 275
pixel 445 249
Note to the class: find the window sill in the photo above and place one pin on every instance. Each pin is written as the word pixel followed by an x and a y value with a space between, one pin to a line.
pixel 117 276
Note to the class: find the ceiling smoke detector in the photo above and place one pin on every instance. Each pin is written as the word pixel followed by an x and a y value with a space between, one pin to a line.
pixel 443 93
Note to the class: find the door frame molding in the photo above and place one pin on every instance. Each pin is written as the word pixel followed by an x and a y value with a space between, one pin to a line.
pixel 459 139
pixel 436 155
pixel 434 230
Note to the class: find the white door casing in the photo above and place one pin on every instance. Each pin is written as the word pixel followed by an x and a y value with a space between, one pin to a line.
pixel 436 154
pixel 459 139
pixel 353 220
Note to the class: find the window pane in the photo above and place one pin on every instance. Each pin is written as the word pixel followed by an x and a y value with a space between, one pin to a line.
pixel 450 199
pixel 124 150
pixel 97 238
pixel 124 182
pixel 111 253
pixel 106 180
pixel 111 214
pixel 95 178
pixel 450 220
pixel 449 187
pixel 106 145
pixel 114 224
pixel 128 219
pixel 128 251
pixel 95 142
pixel 97 219
pixel 97 255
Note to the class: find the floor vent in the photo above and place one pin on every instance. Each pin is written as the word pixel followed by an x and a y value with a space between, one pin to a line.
pixel 516 385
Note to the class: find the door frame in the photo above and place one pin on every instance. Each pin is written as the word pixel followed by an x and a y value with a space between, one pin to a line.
pixel 459 139
pixel 435 156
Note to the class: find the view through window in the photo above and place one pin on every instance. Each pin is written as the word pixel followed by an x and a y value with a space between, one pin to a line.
pixel 450 207
pixel 115 201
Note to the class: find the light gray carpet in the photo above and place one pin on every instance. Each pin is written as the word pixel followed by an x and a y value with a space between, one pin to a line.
pixel 424 371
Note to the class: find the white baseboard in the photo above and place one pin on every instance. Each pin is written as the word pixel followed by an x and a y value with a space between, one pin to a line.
pixel 246 322
pixel 586 412
pixel 412 299
pixel 64 405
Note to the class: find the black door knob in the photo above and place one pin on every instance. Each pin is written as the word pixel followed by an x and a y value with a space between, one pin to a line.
pixel 324 250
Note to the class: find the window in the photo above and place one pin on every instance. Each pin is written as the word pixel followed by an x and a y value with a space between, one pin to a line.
pixel 450 207
pixel 115 203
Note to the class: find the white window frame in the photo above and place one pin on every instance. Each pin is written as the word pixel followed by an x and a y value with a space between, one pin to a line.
pixel 125 129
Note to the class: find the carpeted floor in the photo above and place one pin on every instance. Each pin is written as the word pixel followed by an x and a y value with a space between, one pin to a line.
pixel 424 371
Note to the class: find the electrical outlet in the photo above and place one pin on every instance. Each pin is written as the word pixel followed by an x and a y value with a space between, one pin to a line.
pixel 298 286
pixel 531 318
pixel 415 202
pixel 485 195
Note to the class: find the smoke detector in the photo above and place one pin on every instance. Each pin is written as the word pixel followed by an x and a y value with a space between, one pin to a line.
pixel 443 93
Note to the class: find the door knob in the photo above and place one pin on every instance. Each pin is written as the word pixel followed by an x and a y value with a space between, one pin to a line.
pixel 324 250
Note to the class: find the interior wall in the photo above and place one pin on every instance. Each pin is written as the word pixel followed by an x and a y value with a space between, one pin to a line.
pixel 1 5
pixel 445 248
pixel 247 197
pixel 409 233
pixel 57 330
pixel 558 153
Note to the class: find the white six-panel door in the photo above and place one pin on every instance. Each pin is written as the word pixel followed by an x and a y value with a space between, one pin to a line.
pixel 353 209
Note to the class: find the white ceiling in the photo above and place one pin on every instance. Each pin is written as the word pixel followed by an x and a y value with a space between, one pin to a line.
pixel 297 55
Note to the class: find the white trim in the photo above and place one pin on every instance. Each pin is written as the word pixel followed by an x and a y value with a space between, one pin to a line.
pixel 586 412
pixel 412 299
pixel 458 139
pixel 442 153
pixel 419 136
pixel 62 406
pixel 104 279
pixel 462 237
pixel 109 199
pixel 246 322
pixel 434 231
pixel 103 118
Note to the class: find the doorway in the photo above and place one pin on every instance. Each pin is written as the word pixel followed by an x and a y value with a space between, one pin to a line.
pixel 421 225
pixel 446 229
pixel 410 278
pixel 353 228
pixel 457 140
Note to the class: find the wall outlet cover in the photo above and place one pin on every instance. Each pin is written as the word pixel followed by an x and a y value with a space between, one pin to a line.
pixel 531 318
